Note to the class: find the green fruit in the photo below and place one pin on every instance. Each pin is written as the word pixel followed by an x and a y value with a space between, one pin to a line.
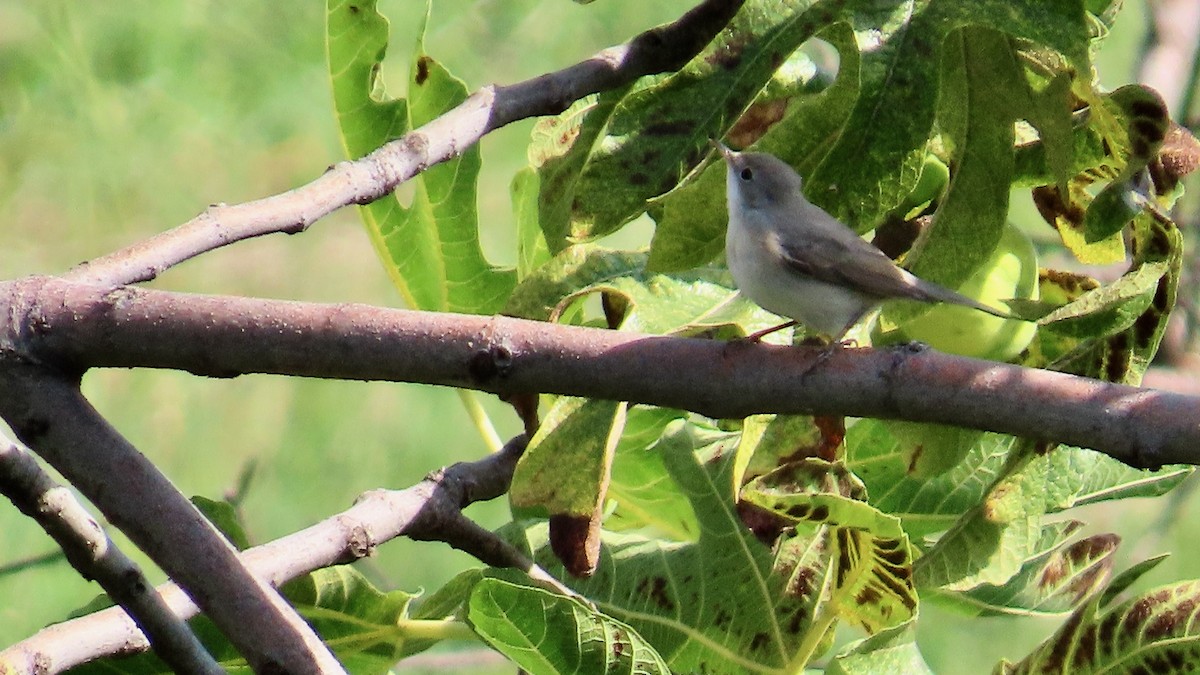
pixel 1011 272
pixel 935 176
pixel 932 449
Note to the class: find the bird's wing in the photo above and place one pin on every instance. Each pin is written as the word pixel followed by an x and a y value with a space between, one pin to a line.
pixel 849 262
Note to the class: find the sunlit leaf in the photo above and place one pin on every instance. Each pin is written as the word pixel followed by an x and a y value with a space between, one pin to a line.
pixel 429 248
pixel 1052 581
pixel 718 604
pixel 549 634
pixel 1155 632
pixel 870 554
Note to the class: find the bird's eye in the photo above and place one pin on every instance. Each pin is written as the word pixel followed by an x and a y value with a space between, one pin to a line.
pixel 747 174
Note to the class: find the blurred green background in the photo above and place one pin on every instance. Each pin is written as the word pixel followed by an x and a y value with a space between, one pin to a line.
pixel 120 120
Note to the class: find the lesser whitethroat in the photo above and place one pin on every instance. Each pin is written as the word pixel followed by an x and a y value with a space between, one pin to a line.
pixel 793 259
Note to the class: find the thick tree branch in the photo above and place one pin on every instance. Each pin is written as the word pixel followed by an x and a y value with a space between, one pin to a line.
pixel 81 326
pixel 377 517
pixel 362 181
pixel 96 556
pixel 51 416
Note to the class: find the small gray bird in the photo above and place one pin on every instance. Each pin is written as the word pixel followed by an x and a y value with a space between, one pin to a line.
pixel 793 259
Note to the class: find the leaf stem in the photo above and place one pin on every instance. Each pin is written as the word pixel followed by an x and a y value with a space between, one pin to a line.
pixel 440 629
pixel 483 423
pixel 812 639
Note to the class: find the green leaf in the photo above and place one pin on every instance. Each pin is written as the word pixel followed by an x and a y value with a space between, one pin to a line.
pixel 559 151
pixel 1105 12
pixel 1066 477
pixel 865 155
pixel 992 540
pixel 976 116
pixel 691 219
pixel 367 630
pixel 683 303
pixel 225 517
pixel 657 135
pixel 446 604
pixel 1078 477
pixel 980 550
pixel 719 604
pixel 691 222
pixel 1126 578
pixel 532 250
pixel 641 488
pixel 874 165
pixel 933 449
pixel 691 302
pixel 364 626
pixel 546 634
pixel 1110 212
pixel 1035 161
pixel 1049 111
pixel 430 248
pixel 870 553
pixel 1102 252
pixel 890 651
pixel 565 468
pixel 925 504
pixel 1109 309
pixel 1051 582
pixel 540 296
pixel 1153 633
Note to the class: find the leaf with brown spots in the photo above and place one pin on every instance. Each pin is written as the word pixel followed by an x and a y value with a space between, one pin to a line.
pixel 1142 120
pixel 771 441
pixel 659 134
pixel 869 553
pixel 1153 633
pixel 1055 581
pixel 720 604
pixel 566 470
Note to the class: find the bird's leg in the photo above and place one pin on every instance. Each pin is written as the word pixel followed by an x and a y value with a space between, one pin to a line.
pixel 827 351
pixel 835 343
pixel 840 340
pixel 759 335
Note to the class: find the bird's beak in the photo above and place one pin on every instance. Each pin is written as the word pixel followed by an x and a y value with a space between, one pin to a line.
pixel 721 148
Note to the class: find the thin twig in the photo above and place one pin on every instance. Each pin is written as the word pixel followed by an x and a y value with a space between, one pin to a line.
pixel 376 518
pixel 662 49
pixel 97 557
pixel 49 414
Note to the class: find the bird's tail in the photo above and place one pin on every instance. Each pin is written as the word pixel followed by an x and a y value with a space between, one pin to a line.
pixel 936 293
